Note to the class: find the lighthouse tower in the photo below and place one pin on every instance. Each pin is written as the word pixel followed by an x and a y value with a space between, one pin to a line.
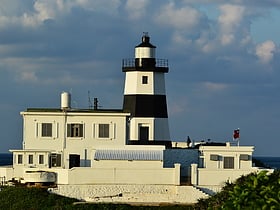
pixel 144 94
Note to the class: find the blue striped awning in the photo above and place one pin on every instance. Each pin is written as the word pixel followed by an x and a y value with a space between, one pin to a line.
pixel 128 155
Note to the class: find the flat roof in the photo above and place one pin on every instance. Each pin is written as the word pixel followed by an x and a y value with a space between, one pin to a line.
pixel 75 110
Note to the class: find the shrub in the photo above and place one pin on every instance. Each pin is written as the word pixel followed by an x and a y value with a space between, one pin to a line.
pixel 254 191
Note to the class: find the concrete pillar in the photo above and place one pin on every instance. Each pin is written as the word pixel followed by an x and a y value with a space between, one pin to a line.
pixel 177 167
pixel 194 180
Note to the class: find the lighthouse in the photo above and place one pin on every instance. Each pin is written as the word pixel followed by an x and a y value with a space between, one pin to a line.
pixel 144 94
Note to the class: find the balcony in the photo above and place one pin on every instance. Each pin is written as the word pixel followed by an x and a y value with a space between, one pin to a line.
pixel 148 64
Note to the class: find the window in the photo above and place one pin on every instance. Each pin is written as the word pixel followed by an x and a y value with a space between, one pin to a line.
pixel 41 159
pixel 144 79
pixel 244 157
pixel 75 130
pixel 46 130
pixel 103 131
pixel 30 159
pixel 228 162
pixel 19 159
pixel 55 160
pixel 214 157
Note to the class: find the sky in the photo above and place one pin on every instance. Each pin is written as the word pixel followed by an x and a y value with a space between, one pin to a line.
pixel 224 62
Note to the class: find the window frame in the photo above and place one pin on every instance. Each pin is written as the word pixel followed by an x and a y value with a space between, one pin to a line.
pixel 244 157
pixel 104 130
pixel 145 80
pixel 55 160
pixel 75 130
pixel 41 159
pixel 30 159
pixel 19 159
pixel 46 130
pixel 228 162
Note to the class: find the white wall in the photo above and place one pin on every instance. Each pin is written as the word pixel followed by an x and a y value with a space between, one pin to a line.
pixel 6 173
pixel 73 145
pixel 215 178
pixel 158 128
pixel 226 151
pixel 159 83
pixel 135 124
pixel 213 173
pixel 132 193
pixel 161 129
pixel 122 176
pixel 155 86
pixel 133 83
pixel 127 164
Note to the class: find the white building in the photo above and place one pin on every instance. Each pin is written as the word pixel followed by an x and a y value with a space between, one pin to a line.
pixel 129 148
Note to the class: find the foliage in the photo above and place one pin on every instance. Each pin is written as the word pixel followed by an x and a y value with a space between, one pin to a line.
pixel 32 198
pixel 254 191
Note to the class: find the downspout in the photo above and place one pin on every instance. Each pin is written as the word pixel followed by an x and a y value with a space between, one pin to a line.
pixel 64 137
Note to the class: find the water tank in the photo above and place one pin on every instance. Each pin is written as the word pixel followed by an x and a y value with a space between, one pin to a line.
pixel 65 100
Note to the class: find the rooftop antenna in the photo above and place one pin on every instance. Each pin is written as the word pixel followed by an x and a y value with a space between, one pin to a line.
pixel 95 107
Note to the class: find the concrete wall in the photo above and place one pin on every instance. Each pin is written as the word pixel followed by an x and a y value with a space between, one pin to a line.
pixel 59 141
pixel 208 177
pixel 6 173
pixel 132 193
pixel 137 164
pixel 119 176
pixel 225 151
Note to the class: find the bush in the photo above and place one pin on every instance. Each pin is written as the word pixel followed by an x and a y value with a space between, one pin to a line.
pixel 254 191
pixel 32 198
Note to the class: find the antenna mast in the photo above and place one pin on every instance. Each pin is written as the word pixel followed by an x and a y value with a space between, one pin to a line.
pixel 90 106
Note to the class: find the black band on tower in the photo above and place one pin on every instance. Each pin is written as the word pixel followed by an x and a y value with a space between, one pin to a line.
pixel 146 105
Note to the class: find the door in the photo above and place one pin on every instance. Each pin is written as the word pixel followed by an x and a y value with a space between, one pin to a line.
pixel 74 160
pixel 144 133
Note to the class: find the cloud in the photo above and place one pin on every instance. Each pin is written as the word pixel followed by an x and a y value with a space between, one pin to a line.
pixel 39 11
pixel 136 9
pixel 265 51
pixel 182 18
pixel 29 13
pixel 230 20
pixel 28 76
pixel 214 87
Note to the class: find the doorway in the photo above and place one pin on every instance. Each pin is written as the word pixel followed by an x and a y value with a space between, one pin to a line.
pixel 144 133
pixel 74 160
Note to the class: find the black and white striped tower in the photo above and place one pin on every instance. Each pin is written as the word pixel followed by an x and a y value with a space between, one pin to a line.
pixel 144 94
